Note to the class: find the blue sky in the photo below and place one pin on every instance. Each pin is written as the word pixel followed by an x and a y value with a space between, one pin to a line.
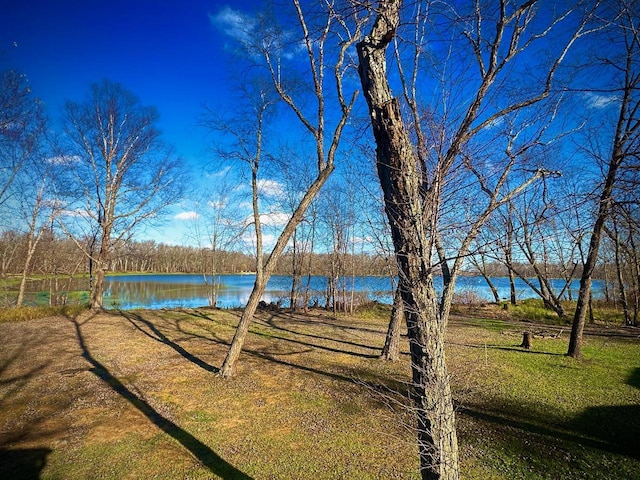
pixel 168 53
pixel 176 56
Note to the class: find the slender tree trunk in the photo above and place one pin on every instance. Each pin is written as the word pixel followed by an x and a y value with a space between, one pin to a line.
pixel 409 220
pixel 31 248
pixel 508 255
pixel 228 366
pixel 295 275
pixel 391 349
pixel 492 287
pixel 513 298
pixel 575 341
pixel 620 276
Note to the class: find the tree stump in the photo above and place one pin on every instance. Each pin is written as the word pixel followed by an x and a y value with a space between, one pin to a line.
pixel 526 340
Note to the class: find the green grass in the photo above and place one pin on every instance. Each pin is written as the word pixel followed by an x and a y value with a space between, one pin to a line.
pixel 533 310
pixel 541 414
pixel 21 314
pixel 311 401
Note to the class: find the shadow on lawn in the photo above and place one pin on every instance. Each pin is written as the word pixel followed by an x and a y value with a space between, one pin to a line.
pixel 634 378
pixel 272 323
pixel 216 464
pixel 23 463
pixel 617 425
pixel 273 353
pixel 613 429
pixel 157 335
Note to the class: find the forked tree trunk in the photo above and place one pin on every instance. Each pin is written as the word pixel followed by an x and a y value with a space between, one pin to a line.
pixel 409 221
pixel 391 349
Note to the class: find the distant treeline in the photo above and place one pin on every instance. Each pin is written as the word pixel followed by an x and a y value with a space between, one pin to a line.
pixel 62 256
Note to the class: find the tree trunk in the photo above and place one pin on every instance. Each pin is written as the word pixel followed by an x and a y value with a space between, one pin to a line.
pixel 31 248
pixel 409 220
pixel 492 287
pixel 620 274
pixel 575 341
pixel 97 289
pixel 228 366
pixel 391 349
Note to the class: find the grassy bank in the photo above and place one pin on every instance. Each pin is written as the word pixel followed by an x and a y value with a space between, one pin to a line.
pixel 533 310
pixel 135 395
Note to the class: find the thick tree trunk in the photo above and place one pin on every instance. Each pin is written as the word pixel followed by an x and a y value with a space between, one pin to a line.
pixel 391 349
pixel 409 220
pixel 97 289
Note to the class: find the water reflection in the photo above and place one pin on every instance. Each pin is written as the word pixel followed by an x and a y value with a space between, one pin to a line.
pixel 188 291
pixel 192 290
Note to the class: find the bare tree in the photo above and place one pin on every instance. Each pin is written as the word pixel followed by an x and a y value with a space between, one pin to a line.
pixel 537 235
pixel 420 173
pixel 625 149
pixel 247 130
pixel 315 124
pixel 123 172
pixel 39 207
pixel 21 128
pixel 25 180
pixel 215 228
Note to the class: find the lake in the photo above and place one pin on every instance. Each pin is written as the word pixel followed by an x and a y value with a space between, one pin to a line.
pixel 189 290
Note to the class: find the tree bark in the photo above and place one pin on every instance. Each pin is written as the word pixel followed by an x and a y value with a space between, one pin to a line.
pixel 579 318
pixel 396 163
pixel 391 348
pixel 97 288
pixel 228 366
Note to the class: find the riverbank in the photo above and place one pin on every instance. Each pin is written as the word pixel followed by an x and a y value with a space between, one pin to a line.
pixel 135 395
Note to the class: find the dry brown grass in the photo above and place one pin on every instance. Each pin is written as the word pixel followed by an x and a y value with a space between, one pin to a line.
pixel 136 395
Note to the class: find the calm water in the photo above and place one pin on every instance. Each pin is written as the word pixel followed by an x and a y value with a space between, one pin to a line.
pixel 190 290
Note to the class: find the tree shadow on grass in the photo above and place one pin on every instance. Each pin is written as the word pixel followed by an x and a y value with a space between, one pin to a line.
pixel 634 378
pixel 613 429
pixel 216 464
pixel 23 464
pixel 513 348
pixel 272 323
pixel 156 334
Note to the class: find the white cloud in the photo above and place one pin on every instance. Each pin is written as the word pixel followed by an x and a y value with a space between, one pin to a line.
pixel 63 159
pixel 595 100
pixel 76 212
pixel 220 173
pixel 191 215
pixel 270 188
pixel 246 30
pixel 236 24
pixel 249 240
pixel 274 219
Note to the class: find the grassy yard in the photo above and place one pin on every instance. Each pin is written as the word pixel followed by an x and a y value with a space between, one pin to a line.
pixel 135 395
